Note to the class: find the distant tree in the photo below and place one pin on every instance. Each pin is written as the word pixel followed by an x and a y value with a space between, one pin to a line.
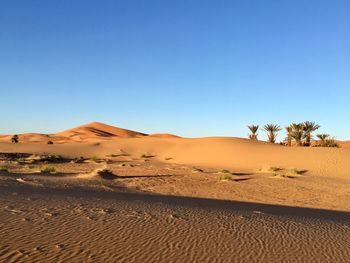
pixel 289 137
pixel 298 133
pixel 272 130
pixel 309 128
pixel 15 138
pixel 322 137
pixel 253 131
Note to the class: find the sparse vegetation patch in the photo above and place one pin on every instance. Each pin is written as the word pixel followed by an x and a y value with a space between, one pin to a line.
pixel 226 177
pixel 4 168
pixel 147 155
pixel 48 169
pixel 326 141
pixel 94 159
pixel 274 169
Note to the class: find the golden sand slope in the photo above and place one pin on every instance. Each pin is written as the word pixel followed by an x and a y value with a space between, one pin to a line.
pixel 94 131
pixel 97 139
pixel 97 130
pixel 163 135
pixel 221 153
pixel 344 144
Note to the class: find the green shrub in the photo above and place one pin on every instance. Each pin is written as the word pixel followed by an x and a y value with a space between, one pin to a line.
pixel 94 159
pixel 30 166
pixel 226 177
pixel 327 143
pixel 4 168
pixel 48 169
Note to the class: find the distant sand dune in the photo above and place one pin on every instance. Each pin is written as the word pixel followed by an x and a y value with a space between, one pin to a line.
pixel 98 139
pixel 224 153
pixel 97 130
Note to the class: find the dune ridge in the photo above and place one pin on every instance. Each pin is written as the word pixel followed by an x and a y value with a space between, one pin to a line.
pixel 93 131
pixel 98 130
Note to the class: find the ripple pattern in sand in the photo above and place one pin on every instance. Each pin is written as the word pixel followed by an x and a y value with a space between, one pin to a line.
pixel 71 229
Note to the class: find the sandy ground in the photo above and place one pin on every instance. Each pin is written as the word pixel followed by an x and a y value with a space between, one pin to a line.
pixel 75 225
pixel 118 195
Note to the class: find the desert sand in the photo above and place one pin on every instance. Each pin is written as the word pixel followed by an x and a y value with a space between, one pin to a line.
pixel 101 193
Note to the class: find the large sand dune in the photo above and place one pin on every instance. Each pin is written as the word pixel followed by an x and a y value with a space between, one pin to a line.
pixel 97 130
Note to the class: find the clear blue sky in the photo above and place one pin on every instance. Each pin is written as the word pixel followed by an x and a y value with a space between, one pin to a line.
pixel 193 68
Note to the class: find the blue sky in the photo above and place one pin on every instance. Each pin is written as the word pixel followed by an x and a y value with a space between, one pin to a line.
pixel 193 68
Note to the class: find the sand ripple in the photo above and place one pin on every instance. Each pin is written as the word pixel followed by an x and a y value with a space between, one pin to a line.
pixel 65 228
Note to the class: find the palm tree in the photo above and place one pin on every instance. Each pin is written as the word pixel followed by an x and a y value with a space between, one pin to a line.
pixel 309 128
pixel 298 133
pixel 289 137
pixel 253 129
pixel 272 130
pixel 322 137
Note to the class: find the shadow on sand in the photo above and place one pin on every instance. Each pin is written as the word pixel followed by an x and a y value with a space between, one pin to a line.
pixel 188 202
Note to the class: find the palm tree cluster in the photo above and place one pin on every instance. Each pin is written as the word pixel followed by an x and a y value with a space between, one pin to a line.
pixel 272 130
pixel 299 134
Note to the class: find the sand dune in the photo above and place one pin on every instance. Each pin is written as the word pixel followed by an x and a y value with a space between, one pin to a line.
pixel 163 135
pixel 224 153
pixel 98 130
pixel 86 133
pixel 344 144
pixel 29 138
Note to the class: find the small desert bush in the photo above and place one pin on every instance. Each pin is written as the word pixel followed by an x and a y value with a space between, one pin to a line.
pixel 52 158
pixel 226 177
pixel 48 169
pixel 118 154
pixel 295 172
pixel 4 168
pixel 80 159
pixel 49 142
pixel 274 169
pixel 147 156
pixel 106 173
pixel 30 166
pixel 225 171
pixel 327 143
pixel 197 170
pixel 94 159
